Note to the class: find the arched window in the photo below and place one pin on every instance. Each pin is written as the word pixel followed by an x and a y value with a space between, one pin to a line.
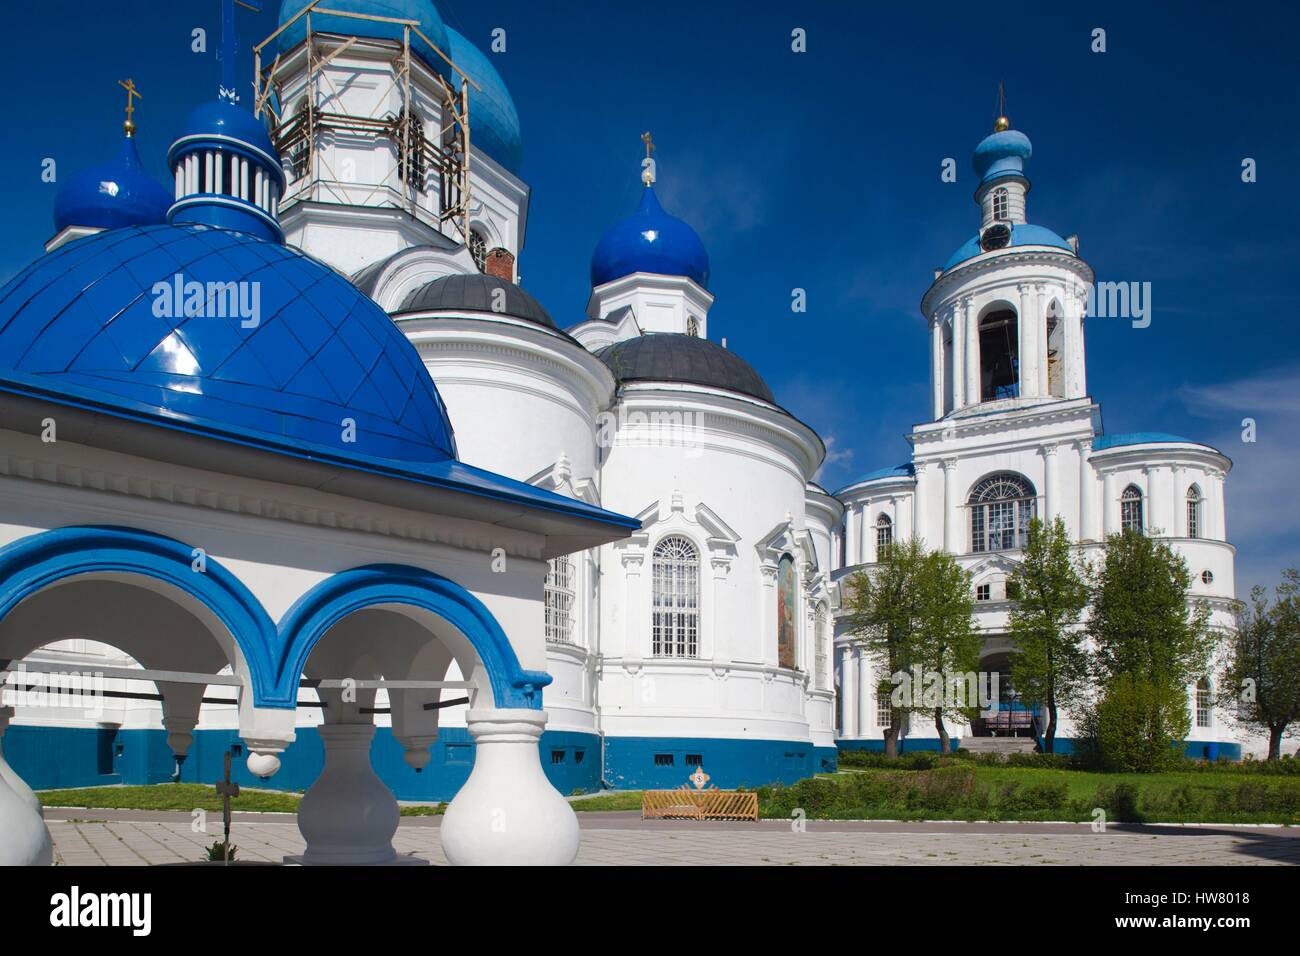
pixel 412 167
pixel 1054 329
pixel 1001 211
pixel 787 600
pixel 676 605
pixel 560 594
pixel 478 249
pixel 1193 512
pixel 999 355
pixel 1001 507
pixel 1203 708
pixel 295 143
pixel 884 535
pixel 1130 509
pixel 820 639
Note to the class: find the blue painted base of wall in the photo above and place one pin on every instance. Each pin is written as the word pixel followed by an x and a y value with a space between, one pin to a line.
pixel 1196 749
pixel 906 745
pixel 665 763
pixel 56 757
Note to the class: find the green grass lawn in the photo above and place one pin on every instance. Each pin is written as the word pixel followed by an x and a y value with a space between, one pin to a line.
pixel 190 796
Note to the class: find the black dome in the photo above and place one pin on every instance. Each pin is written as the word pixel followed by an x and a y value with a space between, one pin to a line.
pixel 672 357
pixel 474 293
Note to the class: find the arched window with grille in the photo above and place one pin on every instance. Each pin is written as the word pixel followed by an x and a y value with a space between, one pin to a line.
pixel 676 599
pixel 1204 693
pixel 478 249
pixel 296 141
pixel 412 165
pixel 884 535
pixel 561 593
pixel 1001 205
pixel 1193 512
pixel 1130 509
pixel 1001 507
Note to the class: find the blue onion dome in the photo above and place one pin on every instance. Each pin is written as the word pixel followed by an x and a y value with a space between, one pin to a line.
pixel 1000 154
pixel 112 195
pixel 652 241
pixel 227 171
pixel 1022 234
pixel 493 119
pixel 221 334
pixel 422 12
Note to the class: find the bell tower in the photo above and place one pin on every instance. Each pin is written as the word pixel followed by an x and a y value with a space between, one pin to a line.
pixel 1006 311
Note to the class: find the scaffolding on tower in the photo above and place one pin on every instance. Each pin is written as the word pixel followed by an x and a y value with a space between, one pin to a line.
pixel 297 133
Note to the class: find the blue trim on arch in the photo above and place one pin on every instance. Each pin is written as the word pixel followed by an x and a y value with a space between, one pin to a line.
pixel 340 595
pixel 39 560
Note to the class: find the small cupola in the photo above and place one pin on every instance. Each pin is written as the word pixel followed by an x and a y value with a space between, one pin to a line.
pixel 227 172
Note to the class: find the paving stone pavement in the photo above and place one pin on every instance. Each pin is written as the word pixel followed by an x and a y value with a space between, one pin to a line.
pixel 128 838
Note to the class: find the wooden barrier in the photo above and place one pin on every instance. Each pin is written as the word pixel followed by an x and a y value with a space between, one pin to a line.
pixel 699 805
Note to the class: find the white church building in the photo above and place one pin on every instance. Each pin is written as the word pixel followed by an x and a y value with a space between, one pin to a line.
pixel 597 543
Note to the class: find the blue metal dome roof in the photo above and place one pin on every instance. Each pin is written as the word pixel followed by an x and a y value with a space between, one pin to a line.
pixel 231 123
pixel 1022 234
pixel 82 324
pixel 1002 154
pixel 1102 442
pixel 421 11
pixel 650 240
pixel 112 194
pixel 493 119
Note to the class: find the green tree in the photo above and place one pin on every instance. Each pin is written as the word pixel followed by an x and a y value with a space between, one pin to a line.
pixel 949 646
pixel 1262 676
pixel 1049 667
pixel 913 613
pixel 1148 640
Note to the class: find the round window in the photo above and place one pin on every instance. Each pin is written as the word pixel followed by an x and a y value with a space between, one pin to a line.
pixel 1207 577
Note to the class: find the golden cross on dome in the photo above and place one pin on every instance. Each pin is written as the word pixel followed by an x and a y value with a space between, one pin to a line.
pixel 649 143
pixel 132 94
pixel 1001 123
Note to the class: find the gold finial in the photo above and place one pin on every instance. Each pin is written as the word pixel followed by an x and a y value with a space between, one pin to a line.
pixel 648 164
pixel 132 94
pixel 1001 124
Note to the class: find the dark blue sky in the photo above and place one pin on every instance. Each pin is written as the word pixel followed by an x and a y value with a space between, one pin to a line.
pixel 821 171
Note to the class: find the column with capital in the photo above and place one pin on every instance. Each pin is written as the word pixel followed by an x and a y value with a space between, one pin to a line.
pixel 1080 313
pixel 952 530
pixel 936 364
pixel 1051 483
pixel 851 535
pixel 1156 516
pixel 848 692
pixel 1216 520
pixel 1044 380
pixel 864 692
pixel 902 519
pixel 957 322
pixel 1109 503
pixel 971 320
pixel 1027 326
pixel 864 533
pixel 920 501
pixel 1180 527
pixel 1087 494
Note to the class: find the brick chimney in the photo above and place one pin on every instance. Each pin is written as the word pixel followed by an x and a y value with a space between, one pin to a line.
pixel 500 264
